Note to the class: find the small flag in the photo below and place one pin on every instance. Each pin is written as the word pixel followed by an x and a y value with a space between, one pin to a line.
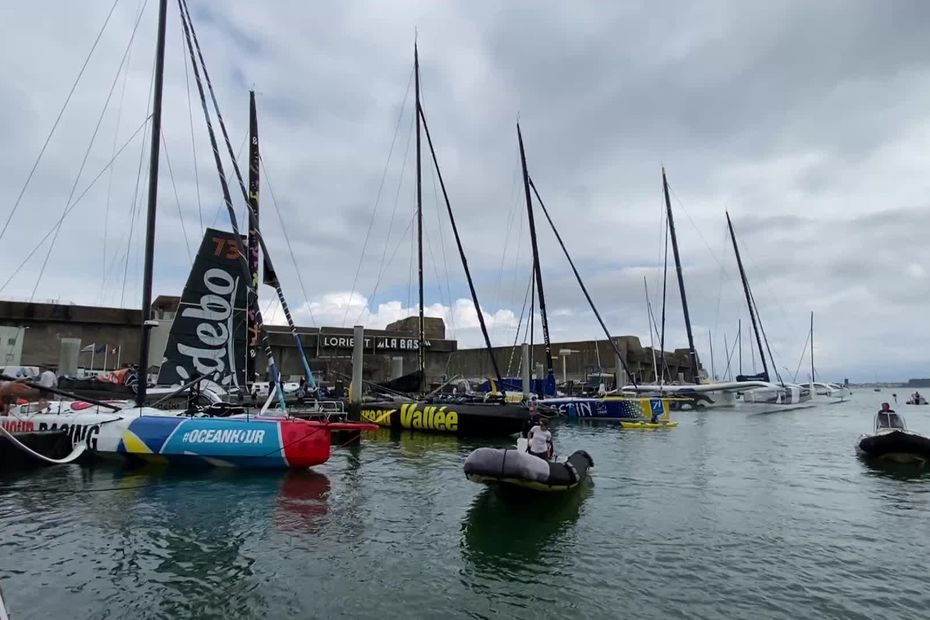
pixel 100 348
pixel 114 350
pixel 89 348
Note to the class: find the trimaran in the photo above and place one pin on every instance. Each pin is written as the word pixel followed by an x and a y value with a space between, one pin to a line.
pixel 616 407
pixel 146 433
pixel 753 389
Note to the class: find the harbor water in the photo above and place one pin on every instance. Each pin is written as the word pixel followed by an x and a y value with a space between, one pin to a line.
pixel 729 515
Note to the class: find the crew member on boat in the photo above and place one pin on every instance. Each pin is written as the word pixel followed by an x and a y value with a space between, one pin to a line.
pixel 539 441
pixel 887 418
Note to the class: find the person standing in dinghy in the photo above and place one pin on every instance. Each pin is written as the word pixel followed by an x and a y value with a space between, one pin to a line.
pixel 539 441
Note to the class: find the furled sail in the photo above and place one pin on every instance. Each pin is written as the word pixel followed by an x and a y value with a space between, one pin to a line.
pixel 208 336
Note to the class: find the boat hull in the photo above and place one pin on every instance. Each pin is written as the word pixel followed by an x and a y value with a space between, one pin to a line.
pixel 609 408
pixel 516 469
pixel 155 437
pixel 895 446
pixel 463 419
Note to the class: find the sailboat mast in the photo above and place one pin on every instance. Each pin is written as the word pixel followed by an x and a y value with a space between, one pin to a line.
pixel 812 347
pixel 252 293
pixel 536 270
pixel 692 353
pixel 421 365
pixel 710 342
pixel 752 314
pixel 149 260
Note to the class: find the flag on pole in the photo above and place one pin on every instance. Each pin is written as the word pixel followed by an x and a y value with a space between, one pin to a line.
pixel 89 348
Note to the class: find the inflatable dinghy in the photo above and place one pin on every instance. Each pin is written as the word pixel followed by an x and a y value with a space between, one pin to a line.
pixel 891 441
pixel 515 468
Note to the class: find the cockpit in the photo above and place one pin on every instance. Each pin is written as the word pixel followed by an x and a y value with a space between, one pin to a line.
pixel 889 420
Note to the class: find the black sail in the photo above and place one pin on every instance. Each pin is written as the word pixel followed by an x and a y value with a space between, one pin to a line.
pixel 208 336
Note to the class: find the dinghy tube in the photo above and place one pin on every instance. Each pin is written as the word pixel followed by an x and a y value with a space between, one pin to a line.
pixel 520 469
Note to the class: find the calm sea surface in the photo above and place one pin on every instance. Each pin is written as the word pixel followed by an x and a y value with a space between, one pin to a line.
pixel 729 515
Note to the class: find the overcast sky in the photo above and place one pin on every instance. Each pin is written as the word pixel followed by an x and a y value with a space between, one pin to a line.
pixel 809 122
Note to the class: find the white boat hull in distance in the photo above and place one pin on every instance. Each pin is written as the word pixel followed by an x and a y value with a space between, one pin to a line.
pixel 831 392
pixel 705 395
pixel 775 394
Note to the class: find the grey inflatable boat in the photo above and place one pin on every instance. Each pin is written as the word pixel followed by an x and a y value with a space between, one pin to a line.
pixel 520 469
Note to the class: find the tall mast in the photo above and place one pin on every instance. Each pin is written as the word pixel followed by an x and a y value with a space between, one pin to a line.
pixel 254 163
pixel 752 314
pixel 536 270
pixel 149 261
pixel 420 335
pixel 812 347
pixel 692 353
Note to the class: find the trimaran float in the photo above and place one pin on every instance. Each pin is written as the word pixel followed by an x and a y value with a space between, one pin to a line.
pixel 147 433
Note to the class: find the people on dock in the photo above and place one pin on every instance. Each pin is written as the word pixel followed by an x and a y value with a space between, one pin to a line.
pixel 539 441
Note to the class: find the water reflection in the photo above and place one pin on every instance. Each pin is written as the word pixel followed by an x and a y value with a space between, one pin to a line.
pixel 511 531
pixel 882 468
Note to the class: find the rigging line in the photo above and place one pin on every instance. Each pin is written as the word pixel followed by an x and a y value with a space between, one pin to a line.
pixel 136 204
pixel 500 271
pixel 387 239
pixel 516 336
pixel 74 204
pixel 728 372
pixel 783 316
pixel 177 200
pixel 410 271
pixel 106 216
pixel 287 238
pixel 190 118
pixel 227 199
pixel 90 146
pixel 720 287
pixel 584 289
pixel 801 360
pixel 61 113
pixel 764 336
pixel 665 367
pixel 191 34
pixel 442 247
pixel 700 234
pixel 374 212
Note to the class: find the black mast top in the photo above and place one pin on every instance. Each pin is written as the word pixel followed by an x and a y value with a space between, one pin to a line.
pixel 416 112
pixel 458 242
pixel 149 261
pixel 752 314
pixel 692 353
pixel 536 270
pixel 254 163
